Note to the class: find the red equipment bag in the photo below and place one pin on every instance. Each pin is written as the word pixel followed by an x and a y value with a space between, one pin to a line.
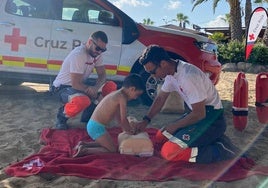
pixel 240 102
pixel 262 97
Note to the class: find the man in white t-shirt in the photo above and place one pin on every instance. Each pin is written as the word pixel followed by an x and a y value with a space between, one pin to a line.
pixel 199 135
pixel 71 81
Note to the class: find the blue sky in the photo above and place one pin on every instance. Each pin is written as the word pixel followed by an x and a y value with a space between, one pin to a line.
pixel 164 11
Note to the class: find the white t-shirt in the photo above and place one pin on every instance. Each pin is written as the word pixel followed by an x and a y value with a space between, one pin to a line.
pixel 77 61
pixel 193 86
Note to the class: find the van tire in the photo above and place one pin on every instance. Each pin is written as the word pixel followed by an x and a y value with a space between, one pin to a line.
pixel 11 82
pixel 150 89
pixel 150 84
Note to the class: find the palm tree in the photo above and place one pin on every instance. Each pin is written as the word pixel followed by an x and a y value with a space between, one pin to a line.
pixel 265 35
pixel 235 16
pixel 227 19
pixel 182 19
pixel 248 10
pixel 148 21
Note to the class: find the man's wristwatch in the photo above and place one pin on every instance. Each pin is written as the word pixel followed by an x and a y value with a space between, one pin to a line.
pixel 147 118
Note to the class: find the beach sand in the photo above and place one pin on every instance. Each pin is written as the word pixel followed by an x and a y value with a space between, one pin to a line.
pixel 27 109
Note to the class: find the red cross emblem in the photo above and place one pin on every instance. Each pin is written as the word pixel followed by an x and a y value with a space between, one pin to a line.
pixel 15 39
pixel 186 137
pixel 251 37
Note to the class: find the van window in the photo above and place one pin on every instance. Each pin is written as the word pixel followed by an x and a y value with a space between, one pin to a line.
pixel 69 10
pixel 30 8
pixel 87 12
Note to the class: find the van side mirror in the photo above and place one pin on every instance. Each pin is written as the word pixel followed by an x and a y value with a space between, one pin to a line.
pixel 107 17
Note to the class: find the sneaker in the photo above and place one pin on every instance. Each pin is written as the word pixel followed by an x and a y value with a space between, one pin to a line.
pixel 222 149
pixel 61 125
pixel 227 149
pixel 61 120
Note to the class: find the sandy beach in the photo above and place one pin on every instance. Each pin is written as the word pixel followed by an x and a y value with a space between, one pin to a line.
pixel 27 109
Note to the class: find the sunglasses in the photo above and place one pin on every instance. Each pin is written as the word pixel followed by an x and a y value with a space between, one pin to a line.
pixel 97 48
pixel 154 70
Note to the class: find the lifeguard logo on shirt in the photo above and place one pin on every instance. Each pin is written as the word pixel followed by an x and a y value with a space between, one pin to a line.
pixel 186 137
pixel 91 63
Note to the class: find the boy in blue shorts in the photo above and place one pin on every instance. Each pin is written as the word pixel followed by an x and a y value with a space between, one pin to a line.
pixel 112 106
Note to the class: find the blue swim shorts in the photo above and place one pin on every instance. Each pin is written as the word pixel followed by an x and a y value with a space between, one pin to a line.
pixel 95 129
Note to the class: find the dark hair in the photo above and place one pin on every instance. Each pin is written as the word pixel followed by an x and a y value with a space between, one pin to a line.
pixel 134 80
pixel 154 54
pixel 100 35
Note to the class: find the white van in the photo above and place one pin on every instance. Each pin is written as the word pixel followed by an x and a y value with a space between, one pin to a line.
pixel 36 35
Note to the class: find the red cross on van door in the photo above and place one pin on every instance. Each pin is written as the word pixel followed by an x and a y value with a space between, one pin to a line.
pixel 15 39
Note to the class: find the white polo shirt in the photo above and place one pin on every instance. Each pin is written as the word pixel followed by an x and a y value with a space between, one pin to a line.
pixel 193 86
pixel 77 61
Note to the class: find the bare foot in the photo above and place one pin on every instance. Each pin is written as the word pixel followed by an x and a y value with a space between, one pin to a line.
pixel 81 151
pixel 78 145
pixel 86 144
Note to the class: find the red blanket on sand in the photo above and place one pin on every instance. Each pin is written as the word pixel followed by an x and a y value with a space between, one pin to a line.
pixel 55 157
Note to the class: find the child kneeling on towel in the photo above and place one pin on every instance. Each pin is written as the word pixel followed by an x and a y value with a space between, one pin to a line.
pixel 112 105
